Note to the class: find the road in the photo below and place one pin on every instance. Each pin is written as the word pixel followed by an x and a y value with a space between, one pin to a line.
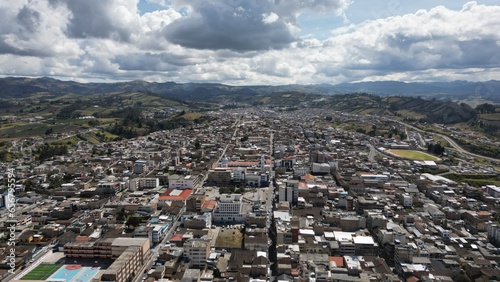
pixel 372 153
pixel 38 259
pixel 450 141
pixel 270 208
pixel 154 253
pixel 235 125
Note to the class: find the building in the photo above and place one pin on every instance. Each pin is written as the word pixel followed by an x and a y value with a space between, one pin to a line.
pixel 406 200
pixel 172 195
pixel 239 174
pixel 128 255
pixel 144 183
pixel 176 181
pixel 219 176
pixel 108 188
pixel 289 192
pixel 229 209
pixel 140 167
pixel 197 250
pixel 492 190
pixel 494 233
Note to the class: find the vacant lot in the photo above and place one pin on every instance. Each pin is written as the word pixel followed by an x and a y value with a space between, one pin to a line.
pixel 413 155
pixel 229 238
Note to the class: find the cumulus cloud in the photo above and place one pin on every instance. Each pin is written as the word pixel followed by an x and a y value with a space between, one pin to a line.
pixel 270 18
pixel 242 25
pixel 243 42
pixel 34 29
pixel 116 19
pixel 436 39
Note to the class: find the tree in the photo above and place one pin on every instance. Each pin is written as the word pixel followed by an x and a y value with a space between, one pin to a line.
pixel 120 215
pixel 133 221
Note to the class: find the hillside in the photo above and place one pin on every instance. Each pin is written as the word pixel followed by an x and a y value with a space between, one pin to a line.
pixel 68 99
pixel 99 117
pixel 16 87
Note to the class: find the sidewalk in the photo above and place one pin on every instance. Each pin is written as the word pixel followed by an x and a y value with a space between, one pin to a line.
pixel 32 266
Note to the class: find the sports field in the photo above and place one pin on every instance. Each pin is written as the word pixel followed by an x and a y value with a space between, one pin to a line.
pixel 413 155
pixel 41 272
pixel 75 273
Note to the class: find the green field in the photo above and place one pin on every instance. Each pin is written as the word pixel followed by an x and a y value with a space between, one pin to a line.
pixel 476 180
pixel 20 130
pixel 413 155
pixel 191 116
pixel 410 114
pixel 41 272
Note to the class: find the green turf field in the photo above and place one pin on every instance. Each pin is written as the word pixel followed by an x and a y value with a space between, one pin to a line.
pixel 41 272
pixel 413 155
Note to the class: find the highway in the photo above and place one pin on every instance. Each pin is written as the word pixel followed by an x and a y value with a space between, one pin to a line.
pixel 450 141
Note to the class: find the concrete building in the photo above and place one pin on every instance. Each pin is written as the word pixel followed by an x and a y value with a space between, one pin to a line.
pixel 128 255
pixel 229 209
pixel 219 175
pixel 197 250
pixel 176 181
pixel 143 183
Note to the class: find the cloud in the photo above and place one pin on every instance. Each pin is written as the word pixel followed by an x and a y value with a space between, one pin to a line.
pixel 436 39
pixel 217 25
pixel 243 42
pixel 115 19
pixel 270 18
pixel 28 19
pixel 34 29
pixel 242 25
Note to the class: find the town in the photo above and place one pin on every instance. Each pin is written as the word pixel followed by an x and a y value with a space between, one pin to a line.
pixel 253 194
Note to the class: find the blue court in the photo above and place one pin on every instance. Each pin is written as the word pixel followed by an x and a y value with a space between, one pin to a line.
pixel 74 273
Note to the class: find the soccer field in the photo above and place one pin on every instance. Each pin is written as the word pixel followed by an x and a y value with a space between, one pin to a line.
pixel 41 272
pixel 413 155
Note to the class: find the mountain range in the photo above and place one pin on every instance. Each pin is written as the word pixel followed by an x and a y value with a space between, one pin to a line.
pixel 20 87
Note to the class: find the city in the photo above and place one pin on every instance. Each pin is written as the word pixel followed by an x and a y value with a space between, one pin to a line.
pixel 255 194
pixel 249 141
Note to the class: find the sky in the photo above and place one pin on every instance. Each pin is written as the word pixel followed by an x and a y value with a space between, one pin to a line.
pixel 251 42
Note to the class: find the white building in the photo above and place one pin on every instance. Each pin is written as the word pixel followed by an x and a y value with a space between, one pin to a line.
pixel 197 250
pixel 239 174
pixel 176 181
pixel 143 183
pixel 406 200
pixel 320 168
pixel 140 167
pixel 494 232
pixel 229 209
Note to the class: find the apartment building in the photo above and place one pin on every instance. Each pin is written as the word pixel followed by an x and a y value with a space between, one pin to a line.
pixel 144 183
pixel 128 255
pixel 197 250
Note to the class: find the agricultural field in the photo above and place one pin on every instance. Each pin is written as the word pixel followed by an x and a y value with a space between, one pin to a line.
pixel 21 129
pixel 476 180
pixel 191 116
pixel 407 114
pixel 413 155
